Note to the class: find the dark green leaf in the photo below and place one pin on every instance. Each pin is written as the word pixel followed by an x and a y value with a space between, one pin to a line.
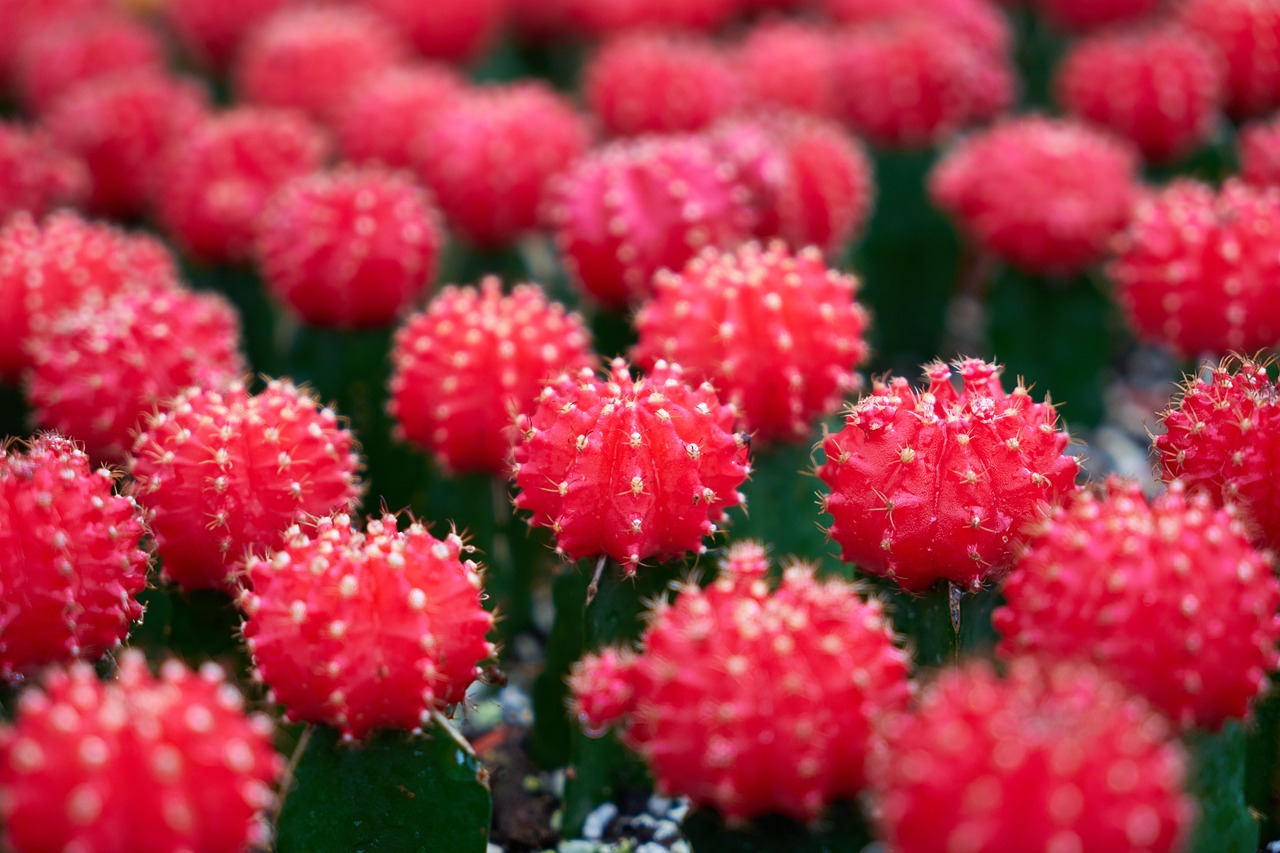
pixel 397 793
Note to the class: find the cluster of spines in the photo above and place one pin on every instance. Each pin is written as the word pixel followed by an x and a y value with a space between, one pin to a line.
pixel 936 484
pixel 366 629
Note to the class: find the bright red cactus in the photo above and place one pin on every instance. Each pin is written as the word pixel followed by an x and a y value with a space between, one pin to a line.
pixel 754 700
pixel 20 19
pixel 351 249
pixel 788 65
pixel 215 183
pixel 1197 269
pixel 70 561
pixel 223 473
pixel 660 83
pixel 629 468
pixel 383 116
pixel 1160 87
pixel 1247 35
pixel 1260 153
pixel 610 17
pixel 939 484
pixel 35 175
pixel 467 155
pixel 449 30
pixel 1108 572
pixel 57 265
pixel 97 370
pixel 777 334
pixel 913 82
pixel 1047 195
pixel 366 630
pixel 149 764
pixel 473 360
pixel 212 31
pixel 630 209
pixel 979 20
pixel 312 58
pixel 812 184
pixel 1042 760
pixel 1222 435
pixel 57 58
pixel 121 125
pixel 1078 15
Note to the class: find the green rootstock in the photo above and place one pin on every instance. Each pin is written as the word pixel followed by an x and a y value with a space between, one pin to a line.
pixel 1216 779
pixel 398 792
pixel 258 314
pixel 782 506
pixel 842 829
pixel 598 766
pixel 929 621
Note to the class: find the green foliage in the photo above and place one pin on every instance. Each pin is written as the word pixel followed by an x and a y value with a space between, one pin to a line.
pixel 398 792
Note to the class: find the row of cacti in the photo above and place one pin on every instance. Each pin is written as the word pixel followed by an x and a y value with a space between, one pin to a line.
pixel 1000 658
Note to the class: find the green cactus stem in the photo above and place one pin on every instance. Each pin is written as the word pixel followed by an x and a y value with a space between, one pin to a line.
pixel 1216 780
pixel 398 791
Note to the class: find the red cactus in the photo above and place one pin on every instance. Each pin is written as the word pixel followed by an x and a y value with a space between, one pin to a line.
pixel 212 31
pixel 937 484
pixel 35 175
pixel 1047 195
pixel 1221 435
pixel 215 183
pixel 610 17
pixel 474 359
pixel 144 763
pixel 788 65
pixel 351 249
pixel 630 209
pixel 752 700
pixel 223 473
pixel 812 184
pixel 777 334
pixel 382 117
pixel 1260 153
pixel 57 265
pixel 1247 35
pixel 97 370
pixel 57 58
pixel 121 125
pixel 978 20
pixel 915 81
pixel 629 468
pixel 1078 15
pixel 21 19
pixel 1107 573
pixel 465 155
pixel 659 83
pixel 312 58
pixel 449 30
pixel 1161 87
pixel 1037 761
pixel 366 630
pixel 70 561
pixel 1197 269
